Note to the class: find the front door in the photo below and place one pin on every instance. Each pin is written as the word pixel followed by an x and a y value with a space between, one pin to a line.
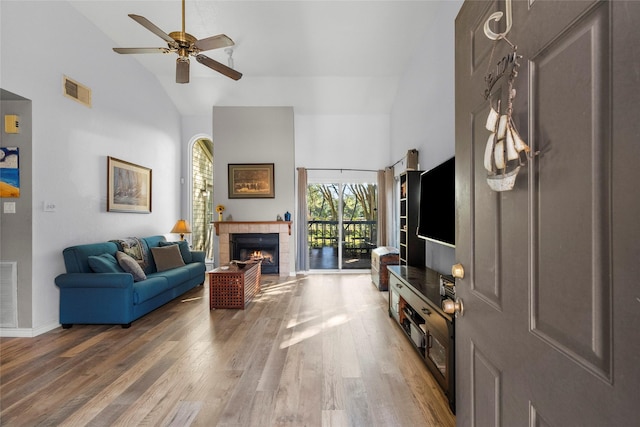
pixel 550 330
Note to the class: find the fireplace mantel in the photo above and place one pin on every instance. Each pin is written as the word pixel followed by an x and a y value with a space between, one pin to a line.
pixel 217 224
pixel 282 228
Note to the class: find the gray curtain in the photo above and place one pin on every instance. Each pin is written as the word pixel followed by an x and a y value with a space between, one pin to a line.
pixel 302 253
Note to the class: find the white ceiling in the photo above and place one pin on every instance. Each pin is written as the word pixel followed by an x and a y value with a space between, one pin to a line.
pixel 321 57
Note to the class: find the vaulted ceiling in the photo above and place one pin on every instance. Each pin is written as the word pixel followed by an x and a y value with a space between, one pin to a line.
pixel 321 57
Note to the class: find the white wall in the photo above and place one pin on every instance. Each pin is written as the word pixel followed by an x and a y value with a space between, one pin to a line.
pixel 342 141
pixel 423 114
pixel 131 119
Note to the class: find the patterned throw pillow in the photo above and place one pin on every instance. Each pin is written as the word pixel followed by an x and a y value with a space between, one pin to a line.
pixel 135 248
pixel 167 257
pixel 184 250
pixel 130 265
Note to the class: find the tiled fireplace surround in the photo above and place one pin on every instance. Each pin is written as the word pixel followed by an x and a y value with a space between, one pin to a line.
pixel 283 228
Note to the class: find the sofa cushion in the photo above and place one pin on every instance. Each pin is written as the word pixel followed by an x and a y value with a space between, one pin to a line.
pixel 76 257
pixel 147 289
pixel 196 270
pixel 175 276
pixel 130 265
pixel 167 257
pixel 105 263
pixel 184 250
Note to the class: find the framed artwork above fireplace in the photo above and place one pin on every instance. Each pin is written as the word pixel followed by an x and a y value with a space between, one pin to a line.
pixel 251 181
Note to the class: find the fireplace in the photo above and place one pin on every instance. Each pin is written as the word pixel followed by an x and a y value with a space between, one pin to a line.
pixel 225 229
pixel 257 246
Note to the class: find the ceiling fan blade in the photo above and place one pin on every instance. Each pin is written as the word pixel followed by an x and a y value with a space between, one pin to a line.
pixel 182 70
pixel 151 27
pixel 214 42
pixel 217 66
pixel 141 50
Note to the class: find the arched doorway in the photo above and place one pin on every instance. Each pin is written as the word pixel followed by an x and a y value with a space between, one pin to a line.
pixel 202 196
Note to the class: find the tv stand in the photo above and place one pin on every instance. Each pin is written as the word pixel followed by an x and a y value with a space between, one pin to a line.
pixel 415 303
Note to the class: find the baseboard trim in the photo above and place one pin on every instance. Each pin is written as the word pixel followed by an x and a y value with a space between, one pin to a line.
pixel 27 332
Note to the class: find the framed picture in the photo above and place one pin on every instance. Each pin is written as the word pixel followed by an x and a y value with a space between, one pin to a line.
pixel 9 172
pixel 128 187
pixel 251 181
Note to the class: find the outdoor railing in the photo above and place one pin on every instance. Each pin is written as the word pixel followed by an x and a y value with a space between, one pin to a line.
pixel 356 235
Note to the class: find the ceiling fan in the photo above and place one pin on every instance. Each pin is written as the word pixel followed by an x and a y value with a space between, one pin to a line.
pixel 184 44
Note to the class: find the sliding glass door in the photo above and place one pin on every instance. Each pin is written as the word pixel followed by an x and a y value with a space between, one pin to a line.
pixel 342 225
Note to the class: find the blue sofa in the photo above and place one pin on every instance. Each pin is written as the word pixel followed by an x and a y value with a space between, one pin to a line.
pixel 89 297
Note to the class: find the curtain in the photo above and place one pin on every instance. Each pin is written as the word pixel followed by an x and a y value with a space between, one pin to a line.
pixel 389 185
pixel 382 210
pixel 302 253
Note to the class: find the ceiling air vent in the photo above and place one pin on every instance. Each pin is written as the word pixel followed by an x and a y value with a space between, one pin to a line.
pixel 76 91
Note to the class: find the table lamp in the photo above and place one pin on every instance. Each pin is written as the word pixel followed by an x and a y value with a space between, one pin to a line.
pixel 182 227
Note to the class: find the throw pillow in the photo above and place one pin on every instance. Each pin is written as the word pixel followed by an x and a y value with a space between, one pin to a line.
pixel 184 250
pixel 105 263
pixel 130 265
pixel 167 257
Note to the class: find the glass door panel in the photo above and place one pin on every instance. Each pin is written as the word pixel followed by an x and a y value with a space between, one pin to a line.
pixel 323 202
pixel 358 225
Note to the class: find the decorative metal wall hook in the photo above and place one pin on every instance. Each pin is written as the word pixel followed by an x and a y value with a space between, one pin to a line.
pixel 497 16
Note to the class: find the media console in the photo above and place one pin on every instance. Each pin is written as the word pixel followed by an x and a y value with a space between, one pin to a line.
pixel 415 302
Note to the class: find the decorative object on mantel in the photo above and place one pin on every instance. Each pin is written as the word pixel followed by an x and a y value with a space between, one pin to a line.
pixel 287 216
pixel 182 227
pixel 251 181
pixel 229 217
pixel 505 151
pixel 278 217
pixel 220 209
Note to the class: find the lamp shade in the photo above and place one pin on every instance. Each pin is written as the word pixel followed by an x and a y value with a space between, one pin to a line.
pixel 182 227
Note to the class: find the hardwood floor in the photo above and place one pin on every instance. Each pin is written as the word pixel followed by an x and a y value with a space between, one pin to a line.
pixel 316 350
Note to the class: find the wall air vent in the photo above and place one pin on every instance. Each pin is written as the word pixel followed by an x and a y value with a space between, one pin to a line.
pixel 8 294
pixel 76 91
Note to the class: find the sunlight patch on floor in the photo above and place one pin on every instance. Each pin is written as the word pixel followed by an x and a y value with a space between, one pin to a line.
pixel 311 331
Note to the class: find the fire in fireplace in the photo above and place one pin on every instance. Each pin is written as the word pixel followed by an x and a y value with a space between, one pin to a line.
pixel 257 246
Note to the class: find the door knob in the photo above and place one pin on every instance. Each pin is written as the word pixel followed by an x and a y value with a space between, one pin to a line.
pixel 453 307
pixel 457 271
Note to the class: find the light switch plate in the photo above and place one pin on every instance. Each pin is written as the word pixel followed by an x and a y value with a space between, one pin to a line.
pixel 49 206
pixel 9 207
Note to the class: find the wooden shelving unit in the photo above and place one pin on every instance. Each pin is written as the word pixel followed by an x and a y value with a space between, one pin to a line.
pixel 412 248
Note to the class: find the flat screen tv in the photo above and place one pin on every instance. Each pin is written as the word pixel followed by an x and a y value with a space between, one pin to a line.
pixel 437 212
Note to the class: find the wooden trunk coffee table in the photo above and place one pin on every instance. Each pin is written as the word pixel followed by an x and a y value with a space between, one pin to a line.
pixel 233 287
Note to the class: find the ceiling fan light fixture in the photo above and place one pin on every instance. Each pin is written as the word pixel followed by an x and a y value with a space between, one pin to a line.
pixel 229 51
pixel 182 69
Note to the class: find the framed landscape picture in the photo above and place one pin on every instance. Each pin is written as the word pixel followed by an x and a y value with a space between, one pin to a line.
pixel 251 181
pixel 128 187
